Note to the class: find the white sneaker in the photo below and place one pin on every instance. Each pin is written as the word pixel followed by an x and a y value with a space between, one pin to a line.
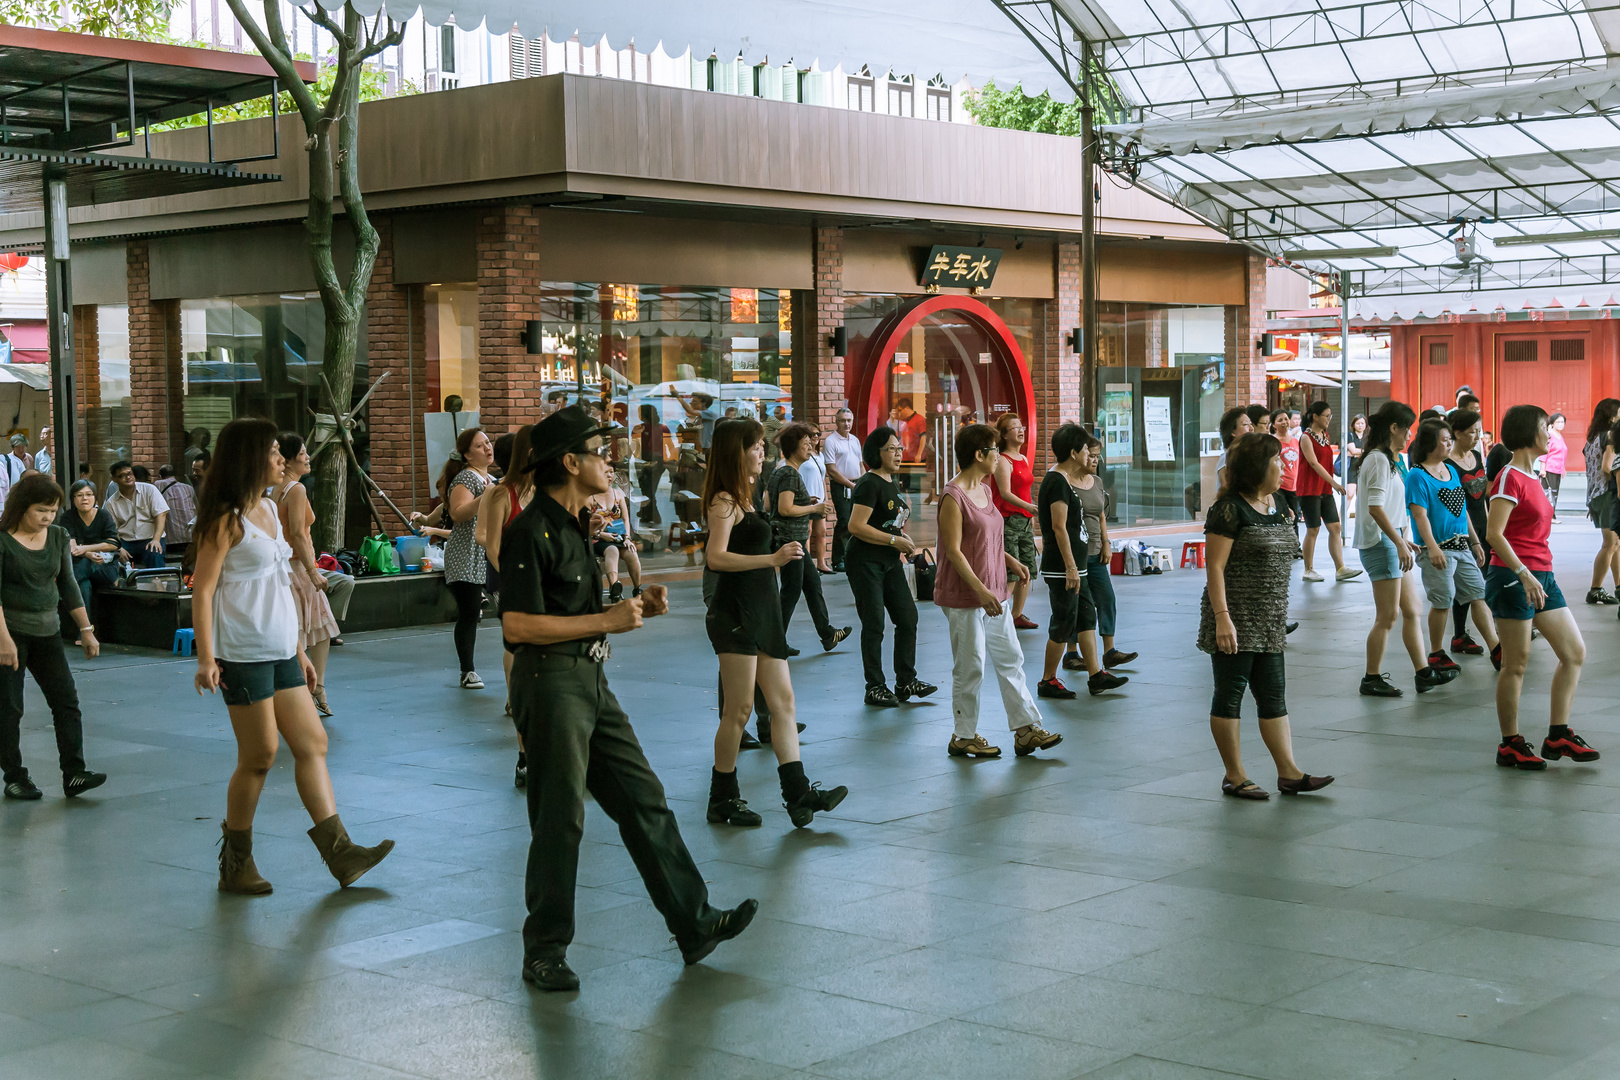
pixel 1312 575
pixel 1348 572
pixel 471 681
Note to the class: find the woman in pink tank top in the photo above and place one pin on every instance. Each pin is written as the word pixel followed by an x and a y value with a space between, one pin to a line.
pixel 971 588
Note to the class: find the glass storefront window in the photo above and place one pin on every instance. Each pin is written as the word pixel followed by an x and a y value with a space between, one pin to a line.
pixel 450 315
pixel 626 347
pixel 1161 385
pixel 106 413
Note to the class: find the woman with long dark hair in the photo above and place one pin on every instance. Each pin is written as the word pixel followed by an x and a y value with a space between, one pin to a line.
pixel 745 627
pixel 1388 556
pixel 497 507
pixel 36 577
pixel 1250 550
pixel 317 626
pixel 462 480
pixel 874 562
pixel 1601 503
pixel 246 622
pixel 1521 590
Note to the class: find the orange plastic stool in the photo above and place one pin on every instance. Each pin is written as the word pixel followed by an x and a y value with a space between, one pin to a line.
pixel 1192 554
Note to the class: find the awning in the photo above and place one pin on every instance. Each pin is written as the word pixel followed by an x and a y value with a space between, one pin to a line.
pixel 953 39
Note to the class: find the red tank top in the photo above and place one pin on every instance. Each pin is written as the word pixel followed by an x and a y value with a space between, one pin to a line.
pixel 1019 483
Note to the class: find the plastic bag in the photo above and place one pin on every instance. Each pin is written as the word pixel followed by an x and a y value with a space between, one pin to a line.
pixel 378 553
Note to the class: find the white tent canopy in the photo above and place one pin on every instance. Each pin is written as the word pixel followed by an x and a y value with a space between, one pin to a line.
pixel 954 39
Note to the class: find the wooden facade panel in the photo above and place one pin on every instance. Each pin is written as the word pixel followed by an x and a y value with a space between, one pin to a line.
pixel 1150 275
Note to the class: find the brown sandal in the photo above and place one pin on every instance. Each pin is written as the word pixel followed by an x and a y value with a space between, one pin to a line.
pixel 1304 784
pixel 1248 789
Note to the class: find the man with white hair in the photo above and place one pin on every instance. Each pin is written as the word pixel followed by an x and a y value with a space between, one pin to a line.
pixel 841 451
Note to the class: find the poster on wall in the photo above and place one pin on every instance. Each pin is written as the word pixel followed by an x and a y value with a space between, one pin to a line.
pixel 1156 429
pixel 1118 435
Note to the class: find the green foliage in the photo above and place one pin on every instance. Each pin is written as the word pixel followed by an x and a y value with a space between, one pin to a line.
pixel 373 85
pixel 992 106
pixel 145 20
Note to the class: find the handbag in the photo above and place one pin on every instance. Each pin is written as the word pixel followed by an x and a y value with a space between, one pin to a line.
pixel 924 568
pixel 377 552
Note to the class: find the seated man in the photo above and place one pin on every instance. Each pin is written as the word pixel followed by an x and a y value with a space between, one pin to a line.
pixel 141 514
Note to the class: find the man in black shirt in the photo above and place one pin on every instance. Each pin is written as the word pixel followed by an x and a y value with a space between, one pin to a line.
pixel 578 738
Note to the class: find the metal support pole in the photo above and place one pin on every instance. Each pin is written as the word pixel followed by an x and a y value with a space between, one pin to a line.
pixel 1088 243
pixel 59 313
pixel 1344 388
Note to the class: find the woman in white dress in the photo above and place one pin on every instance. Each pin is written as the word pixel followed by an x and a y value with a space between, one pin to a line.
pixel 246 623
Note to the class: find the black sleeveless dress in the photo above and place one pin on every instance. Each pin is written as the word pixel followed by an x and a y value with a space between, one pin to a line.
pixel 746 616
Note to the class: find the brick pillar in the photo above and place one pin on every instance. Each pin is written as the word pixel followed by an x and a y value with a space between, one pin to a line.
pixel 1055 371
pixel 508 245
pixel 394 345
pixel 1245 367
pixel 87 374
pixel 157 434
pixel 825 387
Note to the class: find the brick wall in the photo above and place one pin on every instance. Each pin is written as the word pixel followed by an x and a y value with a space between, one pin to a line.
pixel 87 357
pixel 1245 367
pixel 1055 370
pixel 394 345
pixel 155 418
pixel 824 386
pixel 508 246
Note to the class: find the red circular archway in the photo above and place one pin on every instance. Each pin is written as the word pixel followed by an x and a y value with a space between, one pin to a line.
pixel 869 373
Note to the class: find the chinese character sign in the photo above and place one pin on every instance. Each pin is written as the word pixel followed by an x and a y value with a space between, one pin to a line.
pixel 960 267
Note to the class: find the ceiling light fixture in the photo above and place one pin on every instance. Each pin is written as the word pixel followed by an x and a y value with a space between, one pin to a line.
pixel 1556 238
pixel 1334 254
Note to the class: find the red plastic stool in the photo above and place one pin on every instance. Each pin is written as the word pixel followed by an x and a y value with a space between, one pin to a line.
pixel 1192 554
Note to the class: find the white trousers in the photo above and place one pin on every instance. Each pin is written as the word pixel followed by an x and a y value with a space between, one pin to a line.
pixel 973 635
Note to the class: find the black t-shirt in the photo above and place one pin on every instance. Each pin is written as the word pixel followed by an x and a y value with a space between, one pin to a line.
pixel 1055 488
pixel 101 529
pixel 547 565
pixel 889 507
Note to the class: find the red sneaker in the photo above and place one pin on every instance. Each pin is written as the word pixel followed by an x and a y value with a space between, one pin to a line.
pixel 1514 752
pixel 1568 745
pixel 1440 661
pixel 1466 645
pixel 1024 622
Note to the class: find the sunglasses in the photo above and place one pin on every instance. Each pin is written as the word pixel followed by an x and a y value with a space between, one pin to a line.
pixel 600 451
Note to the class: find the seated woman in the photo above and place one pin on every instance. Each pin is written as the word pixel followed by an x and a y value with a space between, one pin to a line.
pixel 611 510
pixel 92 541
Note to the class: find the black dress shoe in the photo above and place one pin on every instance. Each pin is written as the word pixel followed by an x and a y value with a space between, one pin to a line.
pixel 553 974
pixel 748 741
pixel 722 926
pixel 520 777
pixel 80 782
pixel 732 812
pixel 23 789
pixel 881 697
pixel 1075 662
pixel 764 727
pixel 337 642
pixel 792 652
pixel 1115 658
pixel 1290 628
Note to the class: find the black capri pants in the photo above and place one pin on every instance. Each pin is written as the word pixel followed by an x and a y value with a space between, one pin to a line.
pixel 1261 673
pixel 1319 510
pixel 1072 610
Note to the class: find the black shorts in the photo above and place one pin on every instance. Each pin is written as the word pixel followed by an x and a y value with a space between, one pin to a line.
pixel 1072 611
pixel 255 680
pixel 1319 509
pixel 1261 673
pixel 605 541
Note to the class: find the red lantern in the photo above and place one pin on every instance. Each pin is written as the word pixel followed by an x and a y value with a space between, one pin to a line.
pixel 9 263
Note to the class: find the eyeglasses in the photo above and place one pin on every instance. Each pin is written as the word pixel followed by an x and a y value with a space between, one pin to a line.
pixel 893 448
pixel 598 451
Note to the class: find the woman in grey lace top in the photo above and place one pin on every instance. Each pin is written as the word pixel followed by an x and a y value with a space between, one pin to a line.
pixel 1249 557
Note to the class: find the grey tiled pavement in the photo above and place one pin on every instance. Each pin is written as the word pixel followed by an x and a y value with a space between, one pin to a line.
pixel 1094 911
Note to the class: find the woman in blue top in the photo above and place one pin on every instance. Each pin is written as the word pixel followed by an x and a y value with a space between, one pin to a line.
pixel 1453 555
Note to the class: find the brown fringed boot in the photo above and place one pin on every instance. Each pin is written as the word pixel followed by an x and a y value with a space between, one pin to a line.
pixel 346 859
pixel 237 874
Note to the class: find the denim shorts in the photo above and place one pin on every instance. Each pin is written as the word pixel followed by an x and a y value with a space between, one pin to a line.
pixel 1461 582
pixel 1504 592
pixel 1381 561
pixel 253 681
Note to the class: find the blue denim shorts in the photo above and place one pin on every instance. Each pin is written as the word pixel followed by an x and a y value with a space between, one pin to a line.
pixel 1504 592
pixel 1381 561
pixel 249 682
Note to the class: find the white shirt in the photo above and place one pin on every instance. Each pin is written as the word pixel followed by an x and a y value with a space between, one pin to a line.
pixel 843 452
pixel 815 481
pixel 1379 484
pixel 255 617
pixel 136 517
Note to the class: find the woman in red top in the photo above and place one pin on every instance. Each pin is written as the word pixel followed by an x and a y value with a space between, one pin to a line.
pixel 1315 488
pixel 1015 476
pixel 1521 591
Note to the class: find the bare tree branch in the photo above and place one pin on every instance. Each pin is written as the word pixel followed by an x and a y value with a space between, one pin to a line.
pixel 273 47
pixel 317 14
